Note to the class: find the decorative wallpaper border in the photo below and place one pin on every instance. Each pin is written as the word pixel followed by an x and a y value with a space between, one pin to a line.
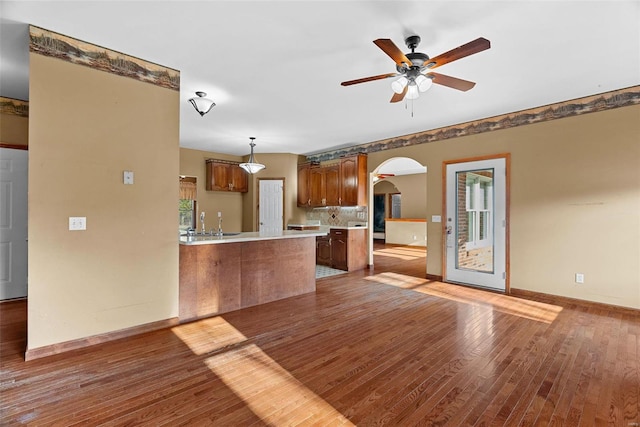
pixel 588 104
pixel 49 43
pixel 14 107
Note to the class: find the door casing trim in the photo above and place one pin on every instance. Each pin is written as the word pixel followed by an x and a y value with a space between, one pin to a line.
pixel 507 161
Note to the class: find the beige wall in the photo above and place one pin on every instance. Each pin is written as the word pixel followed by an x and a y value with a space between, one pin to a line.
pixel 412 233
pixel 276 166
pixel 413 203
pixel 575 198
pixel 192 163
pixel 85 128
pixel 14 129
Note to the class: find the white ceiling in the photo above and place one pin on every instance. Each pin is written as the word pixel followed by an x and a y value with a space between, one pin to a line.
pixel 274 67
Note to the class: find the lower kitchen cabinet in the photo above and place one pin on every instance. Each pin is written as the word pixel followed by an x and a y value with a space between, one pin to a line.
pixel 323 251
pixel 339 249
pixel 343 249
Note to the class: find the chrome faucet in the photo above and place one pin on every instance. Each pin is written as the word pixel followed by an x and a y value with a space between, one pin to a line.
pixel 204 231
pixel 219 226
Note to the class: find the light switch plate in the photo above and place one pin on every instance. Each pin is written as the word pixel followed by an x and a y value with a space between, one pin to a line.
pixel 128 177
pixel 77 223
pixel 436 218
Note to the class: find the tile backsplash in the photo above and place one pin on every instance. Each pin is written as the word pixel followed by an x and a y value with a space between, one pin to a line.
pixel 338 216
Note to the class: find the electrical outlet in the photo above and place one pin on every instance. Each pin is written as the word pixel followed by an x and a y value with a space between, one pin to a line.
pixel 579 278
pixel 77 223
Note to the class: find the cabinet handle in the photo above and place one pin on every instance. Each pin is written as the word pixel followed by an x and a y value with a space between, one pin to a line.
pixel 339 200
pixel 309 202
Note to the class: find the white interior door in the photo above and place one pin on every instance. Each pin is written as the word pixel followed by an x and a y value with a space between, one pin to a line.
pixel 476 223
pixel 271 215
pixel 13 222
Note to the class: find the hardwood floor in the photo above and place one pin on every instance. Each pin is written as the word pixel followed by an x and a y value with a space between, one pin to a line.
pixel 373 347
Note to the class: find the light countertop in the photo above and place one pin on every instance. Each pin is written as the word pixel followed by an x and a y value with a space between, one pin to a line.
pixel 250 237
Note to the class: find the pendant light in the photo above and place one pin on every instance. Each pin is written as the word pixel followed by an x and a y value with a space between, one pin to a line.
pixel 251 166
pixel 202 104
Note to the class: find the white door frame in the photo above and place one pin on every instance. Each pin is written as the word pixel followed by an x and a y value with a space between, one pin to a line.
pixel 258 197
pixel 502 253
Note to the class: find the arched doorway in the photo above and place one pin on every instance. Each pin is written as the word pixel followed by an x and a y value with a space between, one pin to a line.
pixel 396 168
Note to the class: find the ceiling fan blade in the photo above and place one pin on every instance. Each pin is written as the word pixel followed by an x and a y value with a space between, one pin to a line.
pixel 452 82
pixel 397 97
pixel 392 50
pixel 368 79
pixel 478 45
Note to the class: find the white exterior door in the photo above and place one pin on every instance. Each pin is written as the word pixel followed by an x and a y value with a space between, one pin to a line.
pixel 476 221
pixel 13 222
pixel 271 215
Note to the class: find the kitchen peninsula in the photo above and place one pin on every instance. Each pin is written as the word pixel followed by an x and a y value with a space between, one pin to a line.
pixel 219 274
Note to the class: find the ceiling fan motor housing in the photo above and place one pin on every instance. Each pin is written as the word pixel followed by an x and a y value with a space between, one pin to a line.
pixel 412 42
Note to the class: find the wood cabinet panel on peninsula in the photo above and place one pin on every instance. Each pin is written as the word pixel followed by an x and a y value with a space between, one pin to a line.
pixel 218 275
pixel 225 176
pixel 343 183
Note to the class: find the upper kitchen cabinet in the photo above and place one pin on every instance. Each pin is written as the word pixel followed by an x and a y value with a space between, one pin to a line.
pixel 324 187
pixel 304 183
pixel 353 172
pixel 342 183
pixel 317 186
pixel 225 176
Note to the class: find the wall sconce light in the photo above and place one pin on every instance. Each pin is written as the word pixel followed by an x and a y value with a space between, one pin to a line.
pixel 202 104
pixel 252 166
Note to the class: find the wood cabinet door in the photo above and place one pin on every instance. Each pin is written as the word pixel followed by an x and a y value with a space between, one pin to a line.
pixel 304 197
pixel 332 185
pixel 239 179
pixel 323 251
pixel 217 176
pixel 354 180
pixel 317 190
pixel 339 239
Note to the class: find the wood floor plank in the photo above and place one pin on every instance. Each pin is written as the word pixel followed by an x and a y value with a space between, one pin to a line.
pixel 380 346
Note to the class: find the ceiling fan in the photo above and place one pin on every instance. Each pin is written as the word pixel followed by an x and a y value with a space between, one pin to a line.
pixel 413 69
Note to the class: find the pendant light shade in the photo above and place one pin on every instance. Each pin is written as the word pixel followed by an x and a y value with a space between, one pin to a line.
pixel 423 82
pixel 417 84
pixel 399 85
pixel 412 91
pixel 252 166
pixel 201 103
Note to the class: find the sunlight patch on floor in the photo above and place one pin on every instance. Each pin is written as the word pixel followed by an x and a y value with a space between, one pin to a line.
pixel 208 335
pixel 528 309
pixel 271 392
pixel 398 280
pixel 402 252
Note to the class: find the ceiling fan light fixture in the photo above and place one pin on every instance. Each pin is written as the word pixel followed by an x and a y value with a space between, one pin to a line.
pixel 423 82
pixel 398 85
pixel 412 91
pixel 202 104
pixel 252 166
